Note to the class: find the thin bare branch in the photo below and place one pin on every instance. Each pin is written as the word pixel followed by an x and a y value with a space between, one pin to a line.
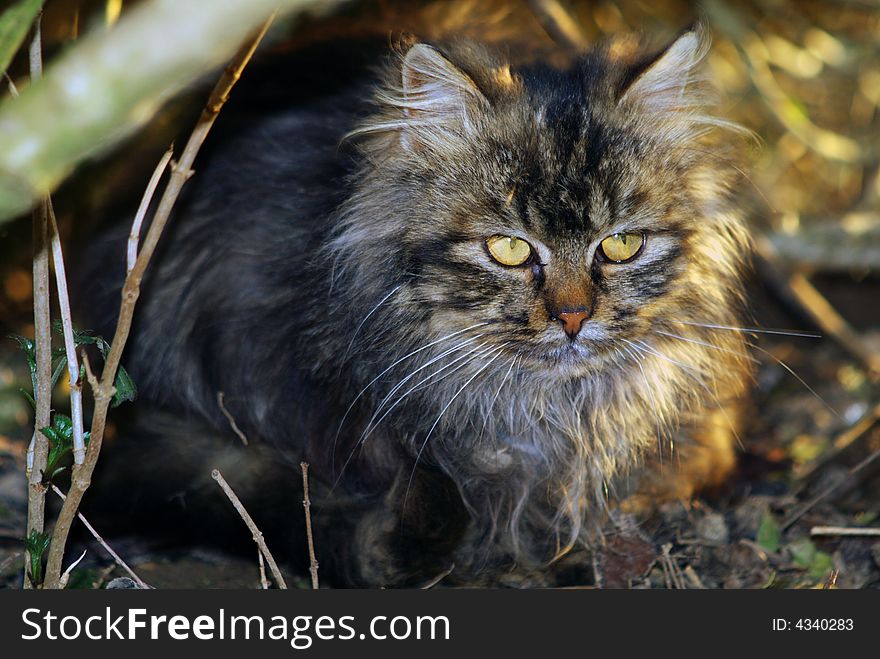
pixel 264 583
pixel 255 531
pixel 140 582
pixel 848 531
pixel 66 576
pixel 231 419
pixel 307 506
pixel 38 450
pixel 76 408
pixel 180 173
pixel 134 235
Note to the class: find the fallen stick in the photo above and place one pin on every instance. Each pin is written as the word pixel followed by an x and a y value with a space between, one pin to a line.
pixel 848 531
pixel 307 506
pixel 255 531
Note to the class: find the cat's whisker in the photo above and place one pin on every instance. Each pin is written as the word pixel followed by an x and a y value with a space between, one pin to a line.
pixel 638 362
pixel 430 362
pixel 366 318
pixel 385 371
pixel 691 373
pixel 495 397
pixel 708 345
pixel 440 416
pixel 797 377
pixel 757 330
pixel 371 426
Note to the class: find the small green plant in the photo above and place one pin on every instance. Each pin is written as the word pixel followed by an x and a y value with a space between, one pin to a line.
pixel 124 385
pixel 60 436
pixel 36 545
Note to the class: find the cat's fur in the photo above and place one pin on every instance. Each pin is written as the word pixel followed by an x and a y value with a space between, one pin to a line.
pixel 344 301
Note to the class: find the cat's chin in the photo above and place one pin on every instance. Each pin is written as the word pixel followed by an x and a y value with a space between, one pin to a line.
pixel 571 359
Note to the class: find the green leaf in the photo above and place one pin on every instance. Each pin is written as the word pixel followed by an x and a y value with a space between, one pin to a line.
pixel 803 552
pixel 30 354
pixel 64 425
pixel 30 398
pixel 14 25
pixel 60 366
pixel 769 534
pixel 805 555
pixel 36 545
pixel 52 435
pixel 125 387
pixel 822 564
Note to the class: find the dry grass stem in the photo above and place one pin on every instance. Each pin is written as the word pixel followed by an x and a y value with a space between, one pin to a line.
pixel 238 432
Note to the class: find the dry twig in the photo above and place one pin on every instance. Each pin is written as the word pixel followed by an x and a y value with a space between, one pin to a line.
pixel 264 583
pixel 231 419
pixel 106 547
pixel 180 173
pixel 134 235
pixel 849 531
pixel 255 531
pixel 76 408
pixel 307 506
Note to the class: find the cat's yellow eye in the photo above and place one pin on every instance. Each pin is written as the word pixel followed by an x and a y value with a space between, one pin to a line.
pixel 509 250
pixel 621 247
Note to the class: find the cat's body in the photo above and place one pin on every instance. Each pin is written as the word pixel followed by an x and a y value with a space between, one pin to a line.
pixel 349 303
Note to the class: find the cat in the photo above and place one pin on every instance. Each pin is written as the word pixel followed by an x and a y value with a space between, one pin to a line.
pixel 485 302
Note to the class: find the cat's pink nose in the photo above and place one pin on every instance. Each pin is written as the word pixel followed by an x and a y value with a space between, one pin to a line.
pixel 572 321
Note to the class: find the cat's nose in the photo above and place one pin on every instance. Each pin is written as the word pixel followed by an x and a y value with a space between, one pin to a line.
pixel 572 321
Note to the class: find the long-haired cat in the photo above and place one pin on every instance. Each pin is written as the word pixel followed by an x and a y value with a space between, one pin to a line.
pixel 485 302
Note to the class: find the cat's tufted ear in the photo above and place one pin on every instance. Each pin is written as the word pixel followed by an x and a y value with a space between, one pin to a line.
pixel 439 101
pixel 672 80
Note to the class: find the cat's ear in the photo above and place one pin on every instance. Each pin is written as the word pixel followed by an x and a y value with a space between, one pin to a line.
pixel 439 100
pixel 671 80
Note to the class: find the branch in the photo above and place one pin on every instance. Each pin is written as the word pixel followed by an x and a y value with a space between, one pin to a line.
pixel 307 506
pixel 140 582
pixel 38 451
pixel 134 235
pixel 76 408
pixel 180 173
pixel 255 531
pixel 112 82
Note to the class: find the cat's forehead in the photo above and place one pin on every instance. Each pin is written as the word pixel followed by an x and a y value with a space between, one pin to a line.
pixel 569 170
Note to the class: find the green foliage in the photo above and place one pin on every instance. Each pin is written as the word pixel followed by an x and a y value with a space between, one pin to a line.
pixel 126 390
pixel 124 385
pixel 769 533
pixel 805 555
pixel 14 25
pixel 60 436
pixel 36 545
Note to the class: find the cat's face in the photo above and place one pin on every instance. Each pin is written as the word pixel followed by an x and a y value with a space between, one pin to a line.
pixel 571 215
